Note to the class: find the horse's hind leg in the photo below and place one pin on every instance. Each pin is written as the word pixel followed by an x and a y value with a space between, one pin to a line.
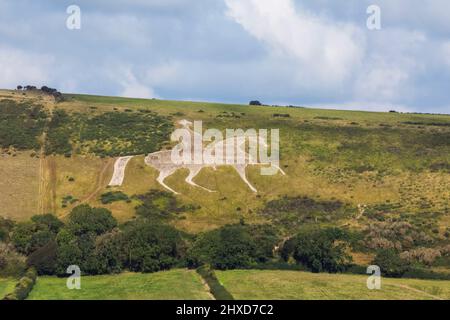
pixel 241 171
pixel 164 173
pixel 193 172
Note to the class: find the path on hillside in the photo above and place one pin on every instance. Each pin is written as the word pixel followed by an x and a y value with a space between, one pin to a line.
pixel 41 175
pixel 404 286
pixel 42 182
pixel 100 184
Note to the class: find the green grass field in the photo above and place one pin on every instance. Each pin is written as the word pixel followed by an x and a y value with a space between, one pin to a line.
pixel 6 286
pixel 295 285
pixel 174 285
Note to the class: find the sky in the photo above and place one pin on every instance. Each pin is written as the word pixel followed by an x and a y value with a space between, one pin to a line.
pixel 298 52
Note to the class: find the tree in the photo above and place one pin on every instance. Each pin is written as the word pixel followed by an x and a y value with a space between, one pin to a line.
pixel 85 219
pixel 49 220
pixel 151 247
pixel 19 87
pixel 255 103
pixel 390 263
pixel 109 252
pixel 320 250
pixel 44 259
pixel 233 246
pixel 30 236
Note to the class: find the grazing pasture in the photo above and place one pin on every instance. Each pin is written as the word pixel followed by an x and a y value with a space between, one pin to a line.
pixel 175 285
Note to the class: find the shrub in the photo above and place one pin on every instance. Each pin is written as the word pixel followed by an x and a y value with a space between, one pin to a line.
pixel 24 286
pixel 44 259
pixel 158 205
pixel 320 250
pixel 217 289
pixel 6 226
pixel 11 262
pixel 113 196
pixel 151 247
pixel 234 246
pixel 390 263
pixel 85 219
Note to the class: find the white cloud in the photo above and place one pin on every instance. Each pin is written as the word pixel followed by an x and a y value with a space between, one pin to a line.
pixel 132 88
pixel 322 50
pixel 446 52
pixel 19 67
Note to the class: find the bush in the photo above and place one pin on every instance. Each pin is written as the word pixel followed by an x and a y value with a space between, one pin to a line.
pixel 113 196
pixel 6 227
pixel 24 286
pixel 391 264
pixel 110 253
pixel 151 247
pixel 158 205
pixel 217 289
pixel 44 259
pixel 234 246
pixel 320 250
pixel 85 219
pixel 21 124
pixel 12 264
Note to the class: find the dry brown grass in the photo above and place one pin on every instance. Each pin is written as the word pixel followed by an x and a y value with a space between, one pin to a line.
pixel 19 186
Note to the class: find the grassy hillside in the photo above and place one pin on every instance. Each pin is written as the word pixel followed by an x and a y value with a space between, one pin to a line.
pixel 383 179
pixel 356 157
pixel 174 285
pixel 294 285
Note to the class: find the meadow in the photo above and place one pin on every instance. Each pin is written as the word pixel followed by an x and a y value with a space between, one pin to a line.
pixel 180 284
pixel 174 285
pixel 296 285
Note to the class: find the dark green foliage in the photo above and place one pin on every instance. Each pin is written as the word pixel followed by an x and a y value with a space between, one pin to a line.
pixel 234 246
pixel 440 166
pixel 108 134
pixel 44 259
pixel 76 250
pixel 281 115
pixel 48 220
pixel 320 250
pixel 6 226
pixel 151 247
pixel 113 196
pixel 77 241
pixel 381 149
pixel 12 264
pixel 85 219
pixel 390 263
pixel 24 286
pixel 293 212
pixel 128 133
pixel 110 252
pixel 158 205
pixel 21 124
pixel 59 133
pixel 217 290
pixel 421 123
pixel 30 236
